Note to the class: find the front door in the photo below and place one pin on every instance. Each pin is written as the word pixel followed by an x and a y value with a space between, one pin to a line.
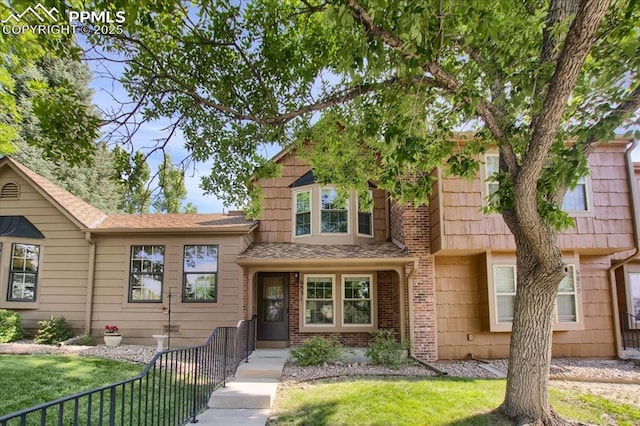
pixel 273 306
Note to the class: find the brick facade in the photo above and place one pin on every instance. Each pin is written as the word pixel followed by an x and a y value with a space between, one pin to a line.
pixel 410 227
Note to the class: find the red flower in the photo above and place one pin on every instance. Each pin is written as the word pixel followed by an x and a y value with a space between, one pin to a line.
pixel 111 329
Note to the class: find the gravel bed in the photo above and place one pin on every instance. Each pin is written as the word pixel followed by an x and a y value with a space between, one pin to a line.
pixel 131 353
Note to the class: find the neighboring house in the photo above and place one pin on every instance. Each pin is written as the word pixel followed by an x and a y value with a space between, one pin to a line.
pixel 442 276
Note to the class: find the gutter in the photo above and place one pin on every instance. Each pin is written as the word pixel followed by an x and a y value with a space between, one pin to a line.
pixel 635 203
pixel 91 273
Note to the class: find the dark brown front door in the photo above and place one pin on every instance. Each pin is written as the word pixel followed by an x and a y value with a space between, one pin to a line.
pixel 273 306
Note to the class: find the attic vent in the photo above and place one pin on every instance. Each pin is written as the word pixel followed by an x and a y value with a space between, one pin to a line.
pixel 10 190
pixel 173 328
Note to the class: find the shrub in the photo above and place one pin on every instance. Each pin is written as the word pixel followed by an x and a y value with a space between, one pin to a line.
pixel 10 326
pixel 53 331
pixel 384 349
pixel 85 340
pixel 317 351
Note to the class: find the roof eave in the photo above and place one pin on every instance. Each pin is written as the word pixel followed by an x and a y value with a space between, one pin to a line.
pixel 358 262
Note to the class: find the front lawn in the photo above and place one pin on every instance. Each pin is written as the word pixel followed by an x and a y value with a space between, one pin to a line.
pixel 429 401
pixel 28 380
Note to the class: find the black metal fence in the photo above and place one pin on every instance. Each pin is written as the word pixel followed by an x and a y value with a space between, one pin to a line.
pixel 171 390
pixel 629 330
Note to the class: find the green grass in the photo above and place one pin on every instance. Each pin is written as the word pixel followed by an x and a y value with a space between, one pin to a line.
pixel 432 401
pixel 28 380
pixel 164 396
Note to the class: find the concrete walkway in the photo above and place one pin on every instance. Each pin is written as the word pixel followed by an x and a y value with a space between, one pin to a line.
pixel 247 400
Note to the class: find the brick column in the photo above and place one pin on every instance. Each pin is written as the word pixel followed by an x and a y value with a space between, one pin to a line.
pixel 410 227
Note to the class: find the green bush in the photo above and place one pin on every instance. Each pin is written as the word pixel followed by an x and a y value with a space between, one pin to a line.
pixel 53 331
pixel 85 340
pixel 384 349
pixel 317 351
pixel 10 326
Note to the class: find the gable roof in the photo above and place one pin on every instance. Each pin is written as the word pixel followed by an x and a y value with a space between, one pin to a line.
pixel 89 218
pixel 83 214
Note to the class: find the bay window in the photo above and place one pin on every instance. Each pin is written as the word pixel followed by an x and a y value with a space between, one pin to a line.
pixel 303 213
pixel 334 214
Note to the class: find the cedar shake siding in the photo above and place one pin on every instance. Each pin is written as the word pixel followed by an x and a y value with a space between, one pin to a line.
pixel 606 227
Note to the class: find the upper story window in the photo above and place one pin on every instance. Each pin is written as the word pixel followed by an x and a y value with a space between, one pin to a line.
pixel 575 200
pixel 146 273
pixel 303 213
pixel 23 272
pixel 492 166
pixel 334 214
pixel 200 273
pixel 365 219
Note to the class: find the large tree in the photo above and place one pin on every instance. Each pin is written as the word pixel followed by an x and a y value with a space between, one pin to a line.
pixel 379 86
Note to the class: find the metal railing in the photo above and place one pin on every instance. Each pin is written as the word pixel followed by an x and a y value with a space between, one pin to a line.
pixel 171 390
pixel 629 330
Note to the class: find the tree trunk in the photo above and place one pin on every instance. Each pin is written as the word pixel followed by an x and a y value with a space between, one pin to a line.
pixel 527 398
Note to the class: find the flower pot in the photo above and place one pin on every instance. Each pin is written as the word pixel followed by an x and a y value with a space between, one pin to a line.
pixel 112 339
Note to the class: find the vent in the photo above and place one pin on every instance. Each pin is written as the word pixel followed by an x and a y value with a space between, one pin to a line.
pixel 10 190
pixel 173 328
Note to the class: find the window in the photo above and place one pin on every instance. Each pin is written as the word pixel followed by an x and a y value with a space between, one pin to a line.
pixel 357 300
pixel 633 294
pixel 576 199
pixel 303 213
pixel 504 287
pixel 200 274
pixel 365 219
pixel 492 166
pixel 566 302
pixel 319 302
pixel 504 277
pixel 23 272
pixel 147 270
pixel 334 215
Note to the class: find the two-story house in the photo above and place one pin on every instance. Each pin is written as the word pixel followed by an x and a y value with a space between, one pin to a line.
pixel 442 276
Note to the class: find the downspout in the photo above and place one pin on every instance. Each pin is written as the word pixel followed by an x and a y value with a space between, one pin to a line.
pixel 635 203
pixel 410 288
pixel 90 283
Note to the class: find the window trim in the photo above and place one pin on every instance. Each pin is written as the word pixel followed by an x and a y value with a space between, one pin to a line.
pixel 370 212
pixel 495 291
pixel 11 272
pixel 629 270
pixel 343 280
pixel 202 272
pixel 305 298
pixel 295 212
pixel 131 274
pixel 321 210
pixel 338 298
pixel 502 260
pixel 487 183
pixel 588 198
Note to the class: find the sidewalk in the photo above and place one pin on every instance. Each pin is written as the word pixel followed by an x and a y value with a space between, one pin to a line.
pixel 247 400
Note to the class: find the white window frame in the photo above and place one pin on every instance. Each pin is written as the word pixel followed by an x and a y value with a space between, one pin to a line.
pixel 582 185
pixel 346 209
pixel 334 300
pixel 574 293
pixel 489 184
pixel 344 299
pixel 370 212
pixel 295 213
pixel 496 294
pixel 503 326
pixel 633 306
